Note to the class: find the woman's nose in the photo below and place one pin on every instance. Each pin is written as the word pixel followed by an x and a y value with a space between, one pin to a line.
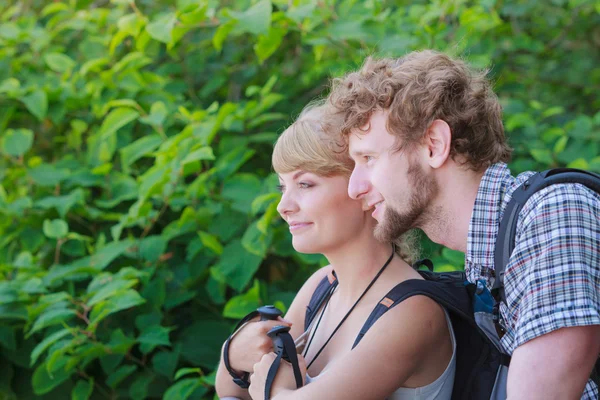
pixel 287 205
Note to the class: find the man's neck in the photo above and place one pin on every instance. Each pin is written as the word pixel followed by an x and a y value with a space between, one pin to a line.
pixel 450 214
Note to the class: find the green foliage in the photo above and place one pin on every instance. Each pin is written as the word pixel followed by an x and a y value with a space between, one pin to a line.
pixel 137 200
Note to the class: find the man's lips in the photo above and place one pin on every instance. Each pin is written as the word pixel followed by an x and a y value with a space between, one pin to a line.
pixel 377 207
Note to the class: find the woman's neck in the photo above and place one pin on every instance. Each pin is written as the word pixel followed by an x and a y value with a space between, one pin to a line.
pixel 356 263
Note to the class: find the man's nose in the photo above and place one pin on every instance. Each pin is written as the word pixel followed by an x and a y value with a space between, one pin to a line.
pixel 358 185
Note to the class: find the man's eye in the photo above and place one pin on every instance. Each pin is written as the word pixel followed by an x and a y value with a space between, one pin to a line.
pixel 368 158
pixel 281 188
pixel 304 185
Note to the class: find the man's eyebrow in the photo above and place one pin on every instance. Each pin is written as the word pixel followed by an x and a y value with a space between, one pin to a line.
pixel 359 153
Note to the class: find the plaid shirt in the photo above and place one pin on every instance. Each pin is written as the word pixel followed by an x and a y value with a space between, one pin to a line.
pixel 553 277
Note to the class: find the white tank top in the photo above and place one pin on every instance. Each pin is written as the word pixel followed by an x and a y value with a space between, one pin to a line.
pixel 440 389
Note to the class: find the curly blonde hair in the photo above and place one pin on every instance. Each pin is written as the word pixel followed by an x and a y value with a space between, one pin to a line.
pixel 417 89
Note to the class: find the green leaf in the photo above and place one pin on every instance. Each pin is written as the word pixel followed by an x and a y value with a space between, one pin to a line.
pixel 581 127
pixel 580 163
pixel 158 113
pixel 239 189
pixel 203 153
pixel 211 242
pixel 140 386
pixel 560 145
pixel 268 44
pixel 221 34
pixel 232 161
pixel 256 19
pixel 47 175
pixel 165 363
pixel 261 202
pixel 138 149
pixel 53 8
pixel 37 103
pixel 55 229
pixel 239 306
pixel 93 65
pixel 161 28
pixel 51 317
pixel 13 311
pixel 17 142
pixel 542 155
pixel 59 62
pixel 152 247
pixel 553 111
pixel 205 352
pixel 183 389
pixel 119 375
pixel 187 371
pixel 43 382
pixel 8 338
pixel 237 265
pixel 62 204
pixel 110 289
pixel 154 336
pixel 122 301
pixel 82 390
pixel 116 119
pixel 256 241
pixel 47 342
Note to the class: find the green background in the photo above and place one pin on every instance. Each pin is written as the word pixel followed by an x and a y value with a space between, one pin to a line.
pixel 137 204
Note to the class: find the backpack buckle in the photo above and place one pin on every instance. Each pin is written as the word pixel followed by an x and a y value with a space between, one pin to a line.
pixel 498 320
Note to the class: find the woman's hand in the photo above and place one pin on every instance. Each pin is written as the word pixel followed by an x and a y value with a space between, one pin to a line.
pixel 251 343
pixel 284 379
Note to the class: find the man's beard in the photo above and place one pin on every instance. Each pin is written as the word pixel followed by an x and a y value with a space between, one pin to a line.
pixel 394 224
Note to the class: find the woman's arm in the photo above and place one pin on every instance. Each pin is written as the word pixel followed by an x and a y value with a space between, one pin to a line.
pixel 249 345
pixel 402 343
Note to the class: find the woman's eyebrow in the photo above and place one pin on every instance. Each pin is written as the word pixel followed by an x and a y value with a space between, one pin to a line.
pixel 298 174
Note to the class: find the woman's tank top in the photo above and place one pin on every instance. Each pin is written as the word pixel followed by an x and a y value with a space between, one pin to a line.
pixel 440 389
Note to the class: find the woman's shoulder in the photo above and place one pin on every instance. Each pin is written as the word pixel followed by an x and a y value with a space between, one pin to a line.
pixel 296 312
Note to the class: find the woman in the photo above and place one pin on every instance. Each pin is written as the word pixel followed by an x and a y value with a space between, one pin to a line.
pixel 407 354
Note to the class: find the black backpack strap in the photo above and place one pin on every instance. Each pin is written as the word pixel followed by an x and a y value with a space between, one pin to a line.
pixel 441 288
pixel 505 242
pixel 320 295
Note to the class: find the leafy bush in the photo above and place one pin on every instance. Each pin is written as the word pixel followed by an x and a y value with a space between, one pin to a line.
pixel 137 197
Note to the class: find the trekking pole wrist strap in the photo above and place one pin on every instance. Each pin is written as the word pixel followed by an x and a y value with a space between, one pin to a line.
pixel 241 381
pixel 284 346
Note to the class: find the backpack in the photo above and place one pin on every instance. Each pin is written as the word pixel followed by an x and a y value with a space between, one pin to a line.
pixel 505 242
pixel 481 364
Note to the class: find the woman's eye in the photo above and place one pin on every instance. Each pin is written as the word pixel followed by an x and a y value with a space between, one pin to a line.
pixel 368 158
pixel 281 188
pixel 304 185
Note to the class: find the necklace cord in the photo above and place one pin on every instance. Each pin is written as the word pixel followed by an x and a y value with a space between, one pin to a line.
pixel 345 316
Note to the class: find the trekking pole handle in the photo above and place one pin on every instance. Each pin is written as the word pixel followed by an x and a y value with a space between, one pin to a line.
pixel 269 313
pixel 277 341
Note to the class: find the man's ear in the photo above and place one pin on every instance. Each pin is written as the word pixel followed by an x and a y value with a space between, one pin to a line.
pixel 437 142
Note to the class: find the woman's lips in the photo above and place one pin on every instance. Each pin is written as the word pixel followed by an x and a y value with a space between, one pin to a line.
pixel 299 225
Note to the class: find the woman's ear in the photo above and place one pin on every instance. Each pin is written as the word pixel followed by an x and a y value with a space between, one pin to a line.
pixel 438 139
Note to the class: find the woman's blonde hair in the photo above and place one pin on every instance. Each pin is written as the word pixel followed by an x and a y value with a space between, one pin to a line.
pixel 307 145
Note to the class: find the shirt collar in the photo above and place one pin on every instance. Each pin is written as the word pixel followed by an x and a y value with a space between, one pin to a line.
pixel 487 211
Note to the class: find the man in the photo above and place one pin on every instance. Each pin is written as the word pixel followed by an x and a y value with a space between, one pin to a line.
pixel 426 134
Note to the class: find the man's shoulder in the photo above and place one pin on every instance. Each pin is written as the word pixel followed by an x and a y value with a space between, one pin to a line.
pixel 568 199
